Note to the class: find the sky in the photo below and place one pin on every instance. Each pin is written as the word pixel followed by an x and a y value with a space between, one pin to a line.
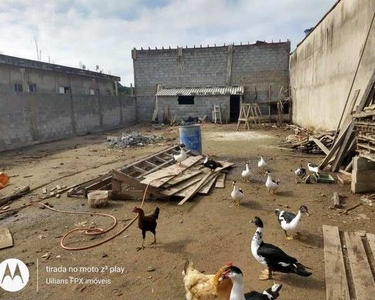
pixel 103 32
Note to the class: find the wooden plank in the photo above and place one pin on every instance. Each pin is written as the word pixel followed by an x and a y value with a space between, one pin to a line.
pixel 204 181
pixel 321 146
pixel 136 184
pixel 371 242
pixel 335 147
pixel 6 239
pixel 365 101
pixel 193 188
pixel 172 171
pixel 364 283
pixel 336 281
pixel 188 173
pixel 207 187
pixel 220 181
pixel 182 186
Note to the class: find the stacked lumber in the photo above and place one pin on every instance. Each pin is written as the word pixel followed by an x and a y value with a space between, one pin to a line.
pixel 364 125
pixel 345 144
pixel 185 181
pixel 161 175
pixel 318 143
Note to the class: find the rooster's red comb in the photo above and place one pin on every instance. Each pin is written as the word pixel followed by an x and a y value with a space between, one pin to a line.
pixel 229 263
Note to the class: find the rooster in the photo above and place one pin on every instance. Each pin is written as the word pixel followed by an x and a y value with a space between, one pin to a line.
pixel 147 223
pixel 200 286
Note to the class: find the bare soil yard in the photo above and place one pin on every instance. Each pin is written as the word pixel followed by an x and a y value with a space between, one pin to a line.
pixel 210 230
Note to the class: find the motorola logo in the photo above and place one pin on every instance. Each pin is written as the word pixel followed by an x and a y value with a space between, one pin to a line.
pixel 14 275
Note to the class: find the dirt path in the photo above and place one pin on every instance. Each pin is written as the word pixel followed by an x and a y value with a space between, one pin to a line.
pixel 209 230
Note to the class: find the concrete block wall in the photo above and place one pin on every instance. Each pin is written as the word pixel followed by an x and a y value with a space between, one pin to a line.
pixel 15 121
pixel 202 106
pixel 50 115
pixel 87 116
pixel 363 175
pixel 27 119
pixel 256 67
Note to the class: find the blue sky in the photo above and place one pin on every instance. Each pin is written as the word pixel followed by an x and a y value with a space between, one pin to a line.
pixel 99 32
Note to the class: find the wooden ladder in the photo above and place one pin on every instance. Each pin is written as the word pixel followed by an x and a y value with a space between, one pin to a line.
pixel 217 114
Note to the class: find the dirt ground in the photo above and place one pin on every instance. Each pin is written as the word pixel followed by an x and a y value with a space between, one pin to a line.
pixel 210 230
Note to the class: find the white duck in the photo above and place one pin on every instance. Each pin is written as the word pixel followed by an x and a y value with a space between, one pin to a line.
pixel 237 293
pixel 237 193
pixel 246 173
pixel 313 168
pixel 290 221
pixel 262 163
pixel 180 157
pixel 271 185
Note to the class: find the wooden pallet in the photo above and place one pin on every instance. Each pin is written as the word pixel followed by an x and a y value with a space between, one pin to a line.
pixel 136 170
pixel 347 265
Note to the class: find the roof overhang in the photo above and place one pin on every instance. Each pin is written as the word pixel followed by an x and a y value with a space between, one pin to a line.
pixel 201 91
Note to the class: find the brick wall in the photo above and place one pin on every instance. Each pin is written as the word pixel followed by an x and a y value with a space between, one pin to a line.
pixel 26 119
pixel 262 68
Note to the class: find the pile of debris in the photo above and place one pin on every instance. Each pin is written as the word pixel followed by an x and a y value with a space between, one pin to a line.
pixel 318 143
pixel 177 121
pixel 365 127
pixel 164 178
pixel 133 139
pixel 357 133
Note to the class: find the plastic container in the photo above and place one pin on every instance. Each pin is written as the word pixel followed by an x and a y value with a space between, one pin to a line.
pixel 98 199
pixel 4 180
pixel 190 135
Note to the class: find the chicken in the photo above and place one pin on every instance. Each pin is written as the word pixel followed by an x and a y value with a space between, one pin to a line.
pixel 200 286
pixel 147 223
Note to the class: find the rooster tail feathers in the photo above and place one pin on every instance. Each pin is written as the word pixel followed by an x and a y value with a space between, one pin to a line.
pixel 300 270
pixel 156 213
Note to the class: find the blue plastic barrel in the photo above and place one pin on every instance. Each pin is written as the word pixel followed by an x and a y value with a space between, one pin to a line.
pixel 190 135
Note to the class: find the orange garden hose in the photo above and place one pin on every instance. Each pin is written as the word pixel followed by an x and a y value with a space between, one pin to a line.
pixel 87 230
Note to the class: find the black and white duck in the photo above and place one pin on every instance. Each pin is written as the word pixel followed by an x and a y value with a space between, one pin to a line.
pixel 291 222
pixel 237 193
pixel 237 293
pixel 275 259
pixel 208 162
pixel 178 158
pixel 271 184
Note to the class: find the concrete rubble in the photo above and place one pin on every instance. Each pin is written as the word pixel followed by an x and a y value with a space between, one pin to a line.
pixel 133 139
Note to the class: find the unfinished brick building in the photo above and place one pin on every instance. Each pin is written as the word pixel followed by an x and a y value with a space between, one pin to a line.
pixel 250 73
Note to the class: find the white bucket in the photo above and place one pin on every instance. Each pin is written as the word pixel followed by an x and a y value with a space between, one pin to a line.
pixel 98 199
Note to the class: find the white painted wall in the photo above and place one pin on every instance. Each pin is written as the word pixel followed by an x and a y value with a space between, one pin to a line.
pixel 323 65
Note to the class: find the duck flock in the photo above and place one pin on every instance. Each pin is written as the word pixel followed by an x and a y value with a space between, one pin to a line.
pixel 272 257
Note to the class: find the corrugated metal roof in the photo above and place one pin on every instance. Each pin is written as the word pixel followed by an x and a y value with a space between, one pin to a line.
pixel 201 91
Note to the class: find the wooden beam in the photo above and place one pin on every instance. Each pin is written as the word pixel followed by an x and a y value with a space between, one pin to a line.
pixel 136 184
pixel 335 274
pixel 158 178
pixel 335 147
pixel 321 146
pixel 204 180
pixel 364 283
pixel 220 181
